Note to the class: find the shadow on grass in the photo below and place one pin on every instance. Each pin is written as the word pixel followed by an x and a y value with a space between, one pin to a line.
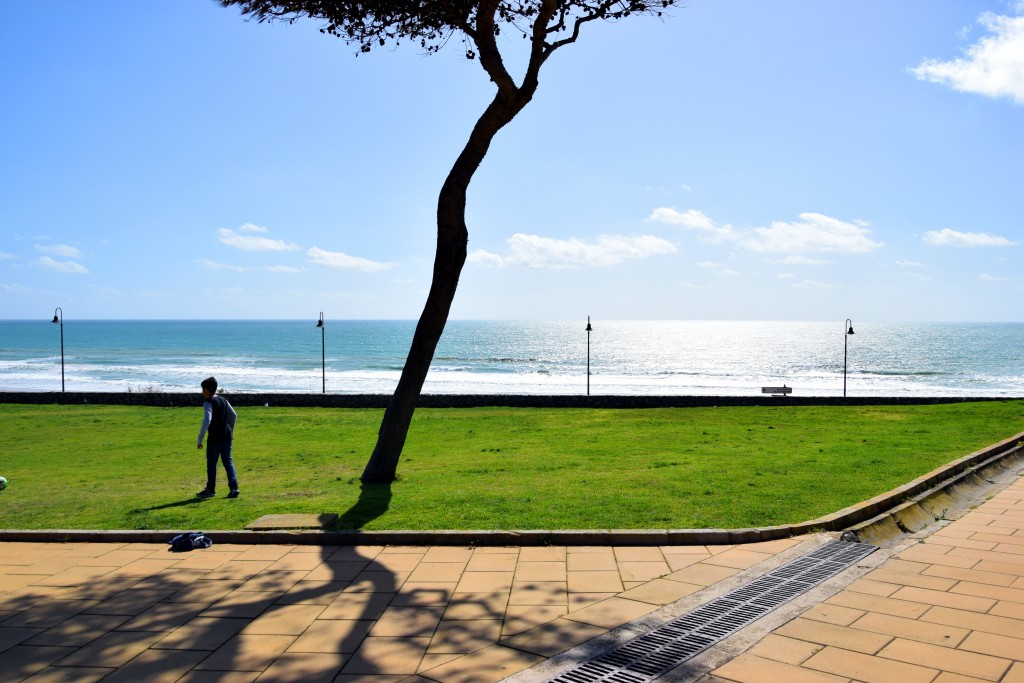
pixel 176 504
pixel 373 502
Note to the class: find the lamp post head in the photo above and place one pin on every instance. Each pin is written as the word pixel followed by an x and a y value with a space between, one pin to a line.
pixel 55 320
pixel 589 328
pixel 849 326
pixel 320 322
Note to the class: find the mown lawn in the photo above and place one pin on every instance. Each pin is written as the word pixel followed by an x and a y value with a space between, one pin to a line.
pixel 128 467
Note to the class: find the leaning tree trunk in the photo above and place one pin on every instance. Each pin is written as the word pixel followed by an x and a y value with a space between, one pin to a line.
pixel 452 237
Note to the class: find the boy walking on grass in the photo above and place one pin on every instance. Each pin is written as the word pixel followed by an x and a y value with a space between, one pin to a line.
pixel 219 427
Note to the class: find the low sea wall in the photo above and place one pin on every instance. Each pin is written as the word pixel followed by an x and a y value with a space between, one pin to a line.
pixel 160 399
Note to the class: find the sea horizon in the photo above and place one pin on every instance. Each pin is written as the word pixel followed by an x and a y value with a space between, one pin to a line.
pixel 476 356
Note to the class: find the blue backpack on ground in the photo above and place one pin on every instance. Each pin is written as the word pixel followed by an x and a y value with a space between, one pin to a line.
pixel 190 541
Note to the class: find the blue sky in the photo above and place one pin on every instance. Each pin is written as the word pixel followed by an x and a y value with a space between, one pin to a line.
pixel 738 160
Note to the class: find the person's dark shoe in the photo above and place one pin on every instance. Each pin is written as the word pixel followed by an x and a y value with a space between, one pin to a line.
pixel 205 494
pixel 233 494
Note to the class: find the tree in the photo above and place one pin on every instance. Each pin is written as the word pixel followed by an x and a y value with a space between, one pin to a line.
pixel 547 25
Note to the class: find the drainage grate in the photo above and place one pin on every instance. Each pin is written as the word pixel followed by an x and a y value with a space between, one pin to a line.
pixel 666 647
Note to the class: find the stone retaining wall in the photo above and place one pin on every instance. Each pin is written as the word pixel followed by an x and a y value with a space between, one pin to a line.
pixel 468 400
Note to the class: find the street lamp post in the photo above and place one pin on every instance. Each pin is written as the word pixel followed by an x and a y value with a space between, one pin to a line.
pixel 323 353
pixel 60 319
pixel 846 337
pixel 589 330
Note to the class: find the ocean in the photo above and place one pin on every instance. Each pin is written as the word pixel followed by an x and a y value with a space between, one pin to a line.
pixel 697 358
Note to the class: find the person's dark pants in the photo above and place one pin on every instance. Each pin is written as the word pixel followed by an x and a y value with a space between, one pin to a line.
pixel 219 450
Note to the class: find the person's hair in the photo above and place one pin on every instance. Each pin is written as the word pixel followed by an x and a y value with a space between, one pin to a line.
pixel 210 384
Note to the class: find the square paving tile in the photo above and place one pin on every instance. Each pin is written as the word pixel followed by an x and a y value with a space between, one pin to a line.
pixel 611 613
pixel 358 606
pixel 332 635
pixel 157 666
pixel 284 620
pixel 320 667
pixel 539 593
pixel 485 582
pixel 202 633
pixel 388 656
pixel 488 665
pixel 111 650
pixel 78 630
pixel 246 652
pixel 464 635
pixel 594 582
pixel 400 621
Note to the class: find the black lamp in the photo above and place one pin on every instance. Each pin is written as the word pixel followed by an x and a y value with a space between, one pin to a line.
pixel 58 317
pixel 323 353
pixel 846 337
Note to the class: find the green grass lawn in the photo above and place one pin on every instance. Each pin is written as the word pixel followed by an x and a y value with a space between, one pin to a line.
pixel 129 467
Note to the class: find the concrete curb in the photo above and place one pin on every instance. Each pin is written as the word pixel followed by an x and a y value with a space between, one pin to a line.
pixel 901 510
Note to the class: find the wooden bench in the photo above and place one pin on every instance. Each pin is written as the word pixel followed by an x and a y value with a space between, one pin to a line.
pixel 777 391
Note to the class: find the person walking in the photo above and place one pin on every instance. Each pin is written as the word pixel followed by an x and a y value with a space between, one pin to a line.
pixel 219 428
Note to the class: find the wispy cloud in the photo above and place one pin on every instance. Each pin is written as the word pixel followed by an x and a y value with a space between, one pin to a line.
pixel 801 261
pixel 62 266
pixel 811 284
pixel 337 259
pixel 814 232
pixel 985 277
pixel 955 238
pixel 993 66
pixel 718 269
pixel 4 256
pixel 534 251
pixel 62 250
pixel 215 265
pixel 908 264
pixel 248 242
pixel 694 220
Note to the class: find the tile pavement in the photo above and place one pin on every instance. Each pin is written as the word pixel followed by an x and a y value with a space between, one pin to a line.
pixel 948 608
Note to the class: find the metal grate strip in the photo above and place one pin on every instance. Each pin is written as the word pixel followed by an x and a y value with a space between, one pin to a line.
pixel 646 657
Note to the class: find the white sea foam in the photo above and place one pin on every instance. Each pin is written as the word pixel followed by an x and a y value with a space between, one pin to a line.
pixel 625 358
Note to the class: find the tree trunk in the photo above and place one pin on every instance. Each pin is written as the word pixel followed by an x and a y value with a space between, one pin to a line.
pixel 452 239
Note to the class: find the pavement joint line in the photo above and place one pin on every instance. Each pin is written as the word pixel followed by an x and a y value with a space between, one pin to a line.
pixel 865 518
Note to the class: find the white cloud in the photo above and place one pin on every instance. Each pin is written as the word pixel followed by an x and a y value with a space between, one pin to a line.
pixel 690 285
pixel 214 265
pixel 251 242
pixel 62 250
pixel 718 268
pixel 801 261
pixel 908 264
pixel 62 266
pixel 534 251
pixel 994 66
pixel 4 256
pixel 283 269
pixel 985 277
pixel 813 232
pixel 692 219
pixel 785 276
pixel 955 238
pixel 810 284
pixel 337 259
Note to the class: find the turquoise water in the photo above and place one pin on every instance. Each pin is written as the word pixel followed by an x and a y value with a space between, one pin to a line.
pixel 515 357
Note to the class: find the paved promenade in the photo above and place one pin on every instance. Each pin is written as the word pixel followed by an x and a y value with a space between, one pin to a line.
pixel 947 607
